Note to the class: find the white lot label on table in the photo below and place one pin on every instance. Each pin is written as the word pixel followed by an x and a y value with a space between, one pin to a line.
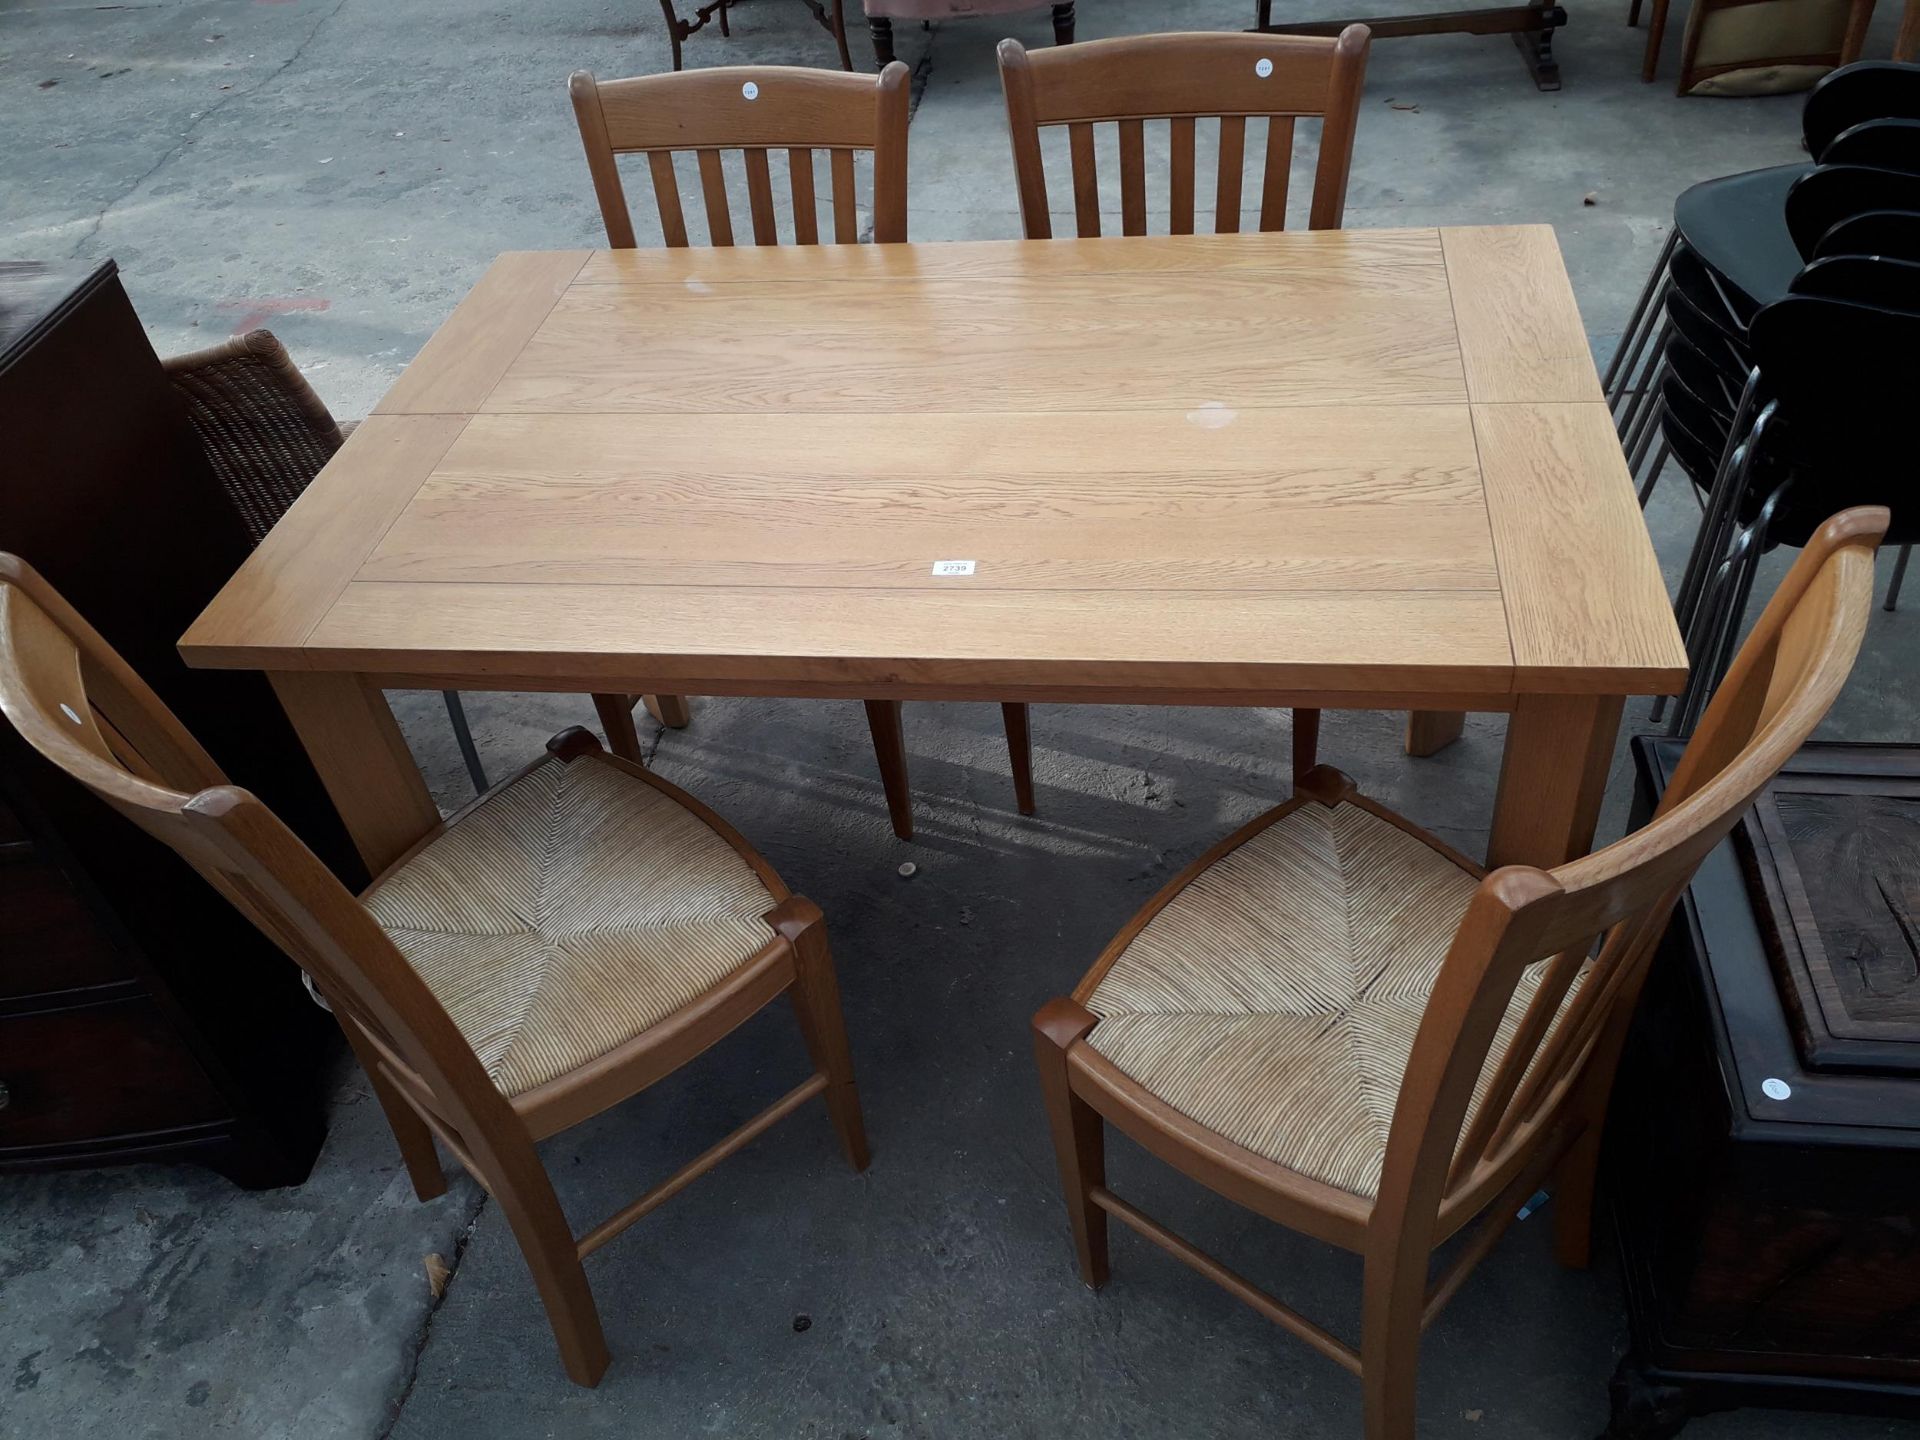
pixel 953 567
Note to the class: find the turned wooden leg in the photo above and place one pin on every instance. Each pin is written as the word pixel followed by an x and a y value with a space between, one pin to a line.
pixel 890 749
pixel 1063 23
pixel 823 1025
pixel 673 711
pixel 880 28
pixel 1079 1135
pixel 1020 754
pixel 1306 740
pixel 616 722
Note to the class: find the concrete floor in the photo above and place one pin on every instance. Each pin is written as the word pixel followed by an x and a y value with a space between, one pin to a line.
pixel 342 170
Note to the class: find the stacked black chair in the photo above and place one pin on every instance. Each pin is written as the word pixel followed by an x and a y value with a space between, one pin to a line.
pixel 1770 350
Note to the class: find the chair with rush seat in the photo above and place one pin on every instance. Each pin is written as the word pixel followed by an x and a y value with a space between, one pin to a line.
pixel 756 109
pixel 1336 1021
pixel 575 934
pixel 1180 78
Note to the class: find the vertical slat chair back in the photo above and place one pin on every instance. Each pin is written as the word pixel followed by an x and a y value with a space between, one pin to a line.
pixel 1182 79
pixel 83 709
pixel 757 110
pixel 1448 1154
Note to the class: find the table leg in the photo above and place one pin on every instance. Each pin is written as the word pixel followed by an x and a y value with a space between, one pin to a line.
pixel 1431 731
pixel 362 758
pixel 1559 750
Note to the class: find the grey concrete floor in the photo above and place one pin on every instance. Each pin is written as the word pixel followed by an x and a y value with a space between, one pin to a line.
pixel 342 170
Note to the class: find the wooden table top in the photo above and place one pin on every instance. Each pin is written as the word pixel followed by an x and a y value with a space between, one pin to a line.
pixel 1343 463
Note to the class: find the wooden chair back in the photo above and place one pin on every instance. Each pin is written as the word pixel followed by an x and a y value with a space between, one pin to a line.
pixel 1182 78
pixel 77 703
pixel 753 109
pixel 1595 922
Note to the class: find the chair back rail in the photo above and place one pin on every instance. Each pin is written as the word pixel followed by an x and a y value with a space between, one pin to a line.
pixel 755 109
pixel 1183 78
pixel 1593 924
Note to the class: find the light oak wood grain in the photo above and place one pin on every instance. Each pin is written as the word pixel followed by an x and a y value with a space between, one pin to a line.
pixel 1236 341
pixel 1312 498
pixel 1583 587
pixel 696 639
pixel 291 578
pixel 469 353
pixel 1520 331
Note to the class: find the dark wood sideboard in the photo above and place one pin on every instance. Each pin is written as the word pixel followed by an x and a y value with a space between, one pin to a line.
pixel 141 1018
pixel 1763 1149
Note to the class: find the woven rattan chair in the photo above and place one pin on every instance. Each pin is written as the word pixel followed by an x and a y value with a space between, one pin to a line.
pixel 1336 1021
pixel 755 109
pixel 573 935
pixel 1180 78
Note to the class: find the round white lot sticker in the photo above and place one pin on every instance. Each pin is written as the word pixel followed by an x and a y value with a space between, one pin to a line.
pixel 1263 67
pixel 750 90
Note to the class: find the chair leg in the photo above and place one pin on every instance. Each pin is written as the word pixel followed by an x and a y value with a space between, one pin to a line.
pixel 1899 574
pixel 1390 1347
pixel 1262 14
pixel 673 711
pixel 1079 1136
pixel 890 749
pixel 1633 14
pixel 547 1245
pixel 823 1025
pixel 616 723
pixel 880 29
pixel 1306 740
pixel 410 1132
pixel 840 35
pixel 1020 754
pixel 1063 23
pixel 1656 32
pixel 463 737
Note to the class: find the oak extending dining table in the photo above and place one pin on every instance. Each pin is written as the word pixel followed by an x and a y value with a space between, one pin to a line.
pixel 1345 469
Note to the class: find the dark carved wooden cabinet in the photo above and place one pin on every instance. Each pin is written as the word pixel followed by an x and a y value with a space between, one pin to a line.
pixel 140 1016
pixel 1763 1152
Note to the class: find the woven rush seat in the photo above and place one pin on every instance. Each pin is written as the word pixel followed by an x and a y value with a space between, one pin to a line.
pixel 569 911
pixel 1275 999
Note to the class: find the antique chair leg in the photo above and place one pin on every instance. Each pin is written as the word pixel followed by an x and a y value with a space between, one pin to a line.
pixel 533 1210
pixel 890 749
pixel 1079 1135
pixel 1262 14
pixel 674 29
pixel 726 33
pixel 1020 754
pixel 823 1025
pixel 1633 14
pixel 880 28
pixel 463 737
pixel 1390 1346
pixel 673 711
pixel 1306 740
pixel 410 1132
pixel 1899 574
pixel 616 721
pixel 1063 23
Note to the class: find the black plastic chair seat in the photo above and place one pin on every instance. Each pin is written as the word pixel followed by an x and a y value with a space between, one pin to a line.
pixel 1894 234
pixel 1828 194
pixel 1892 144
pixel 1737 226
pixel 1855 94
pixel 1877 281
